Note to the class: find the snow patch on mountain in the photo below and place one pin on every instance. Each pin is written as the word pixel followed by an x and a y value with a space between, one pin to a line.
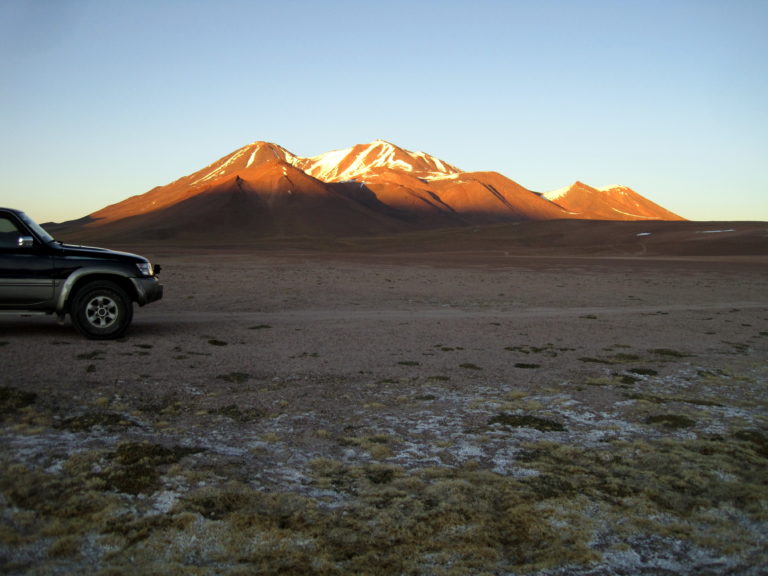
pixel 554 195
pixel 352 163
pixel 634 215
pixel 221 169
pixel 623 190
pixel 326 166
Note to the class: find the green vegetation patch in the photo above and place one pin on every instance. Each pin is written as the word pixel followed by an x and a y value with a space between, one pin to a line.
pixel 758 440
pixel 671 421
pixel 547 350
pixel 134 467
pixel 643 371
pixel 592 360
pixel 234 377
pixel 603 381
pixel 619 358
pixel 526 421
pixel 52 505
pixel 655 399
pixel 93 419
pixel 13 399
pixel 623 358
pixel 687 479
pixel 470 366
pixel 239 413
pixel 437 521
pixel 92 355
pixel 527 365
pixel 668 353
pixel 381 518
pixel 379 446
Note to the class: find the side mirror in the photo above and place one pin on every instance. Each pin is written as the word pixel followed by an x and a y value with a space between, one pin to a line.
pixel 26 241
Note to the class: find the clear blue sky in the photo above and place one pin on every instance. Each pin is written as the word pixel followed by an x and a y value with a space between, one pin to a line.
pixel 101 100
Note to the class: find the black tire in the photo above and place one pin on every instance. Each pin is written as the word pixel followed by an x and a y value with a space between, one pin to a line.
pixel 101 311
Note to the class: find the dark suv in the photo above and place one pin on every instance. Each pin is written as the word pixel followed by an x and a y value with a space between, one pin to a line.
pixel 96 287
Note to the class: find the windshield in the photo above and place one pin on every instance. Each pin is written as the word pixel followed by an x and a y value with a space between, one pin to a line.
pixel 36 228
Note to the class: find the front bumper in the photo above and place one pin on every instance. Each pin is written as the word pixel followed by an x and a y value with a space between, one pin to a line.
pixel 147 289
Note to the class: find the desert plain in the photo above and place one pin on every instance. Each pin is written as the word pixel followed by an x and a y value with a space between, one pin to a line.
pixel 361 410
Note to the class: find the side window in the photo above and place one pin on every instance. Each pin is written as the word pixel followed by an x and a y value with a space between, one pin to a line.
pixel 9 233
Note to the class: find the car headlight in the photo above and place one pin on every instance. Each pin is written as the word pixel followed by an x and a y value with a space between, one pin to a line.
pixel 145 268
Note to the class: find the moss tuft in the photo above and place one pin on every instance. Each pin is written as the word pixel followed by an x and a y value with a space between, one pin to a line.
pixel 135 466
pixel 643 371
pixel 757 439
pixel 94 419
pixel 13 399
pixel 526 421
pixel 527 366
pixel 92 355
pixel 234 377
pixel 671 421
pixel 669 353
pixel 470 366
pixel 239 414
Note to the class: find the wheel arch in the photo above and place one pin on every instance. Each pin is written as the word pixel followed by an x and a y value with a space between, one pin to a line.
pixel 76 281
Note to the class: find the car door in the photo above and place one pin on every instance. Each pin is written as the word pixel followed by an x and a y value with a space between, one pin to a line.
pixel 26 273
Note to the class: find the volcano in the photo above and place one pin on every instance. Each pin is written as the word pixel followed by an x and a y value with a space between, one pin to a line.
pixel 264 191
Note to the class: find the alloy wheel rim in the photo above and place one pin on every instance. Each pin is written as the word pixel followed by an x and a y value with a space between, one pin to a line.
pixel 101 311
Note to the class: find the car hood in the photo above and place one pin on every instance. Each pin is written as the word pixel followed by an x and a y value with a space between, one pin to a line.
pixel 101 253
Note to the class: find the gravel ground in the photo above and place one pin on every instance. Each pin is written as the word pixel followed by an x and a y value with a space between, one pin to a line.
pixel 444 413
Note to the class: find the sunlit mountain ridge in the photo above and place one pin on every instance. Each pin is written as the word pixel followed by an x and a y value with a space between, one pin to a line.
pixel 264 190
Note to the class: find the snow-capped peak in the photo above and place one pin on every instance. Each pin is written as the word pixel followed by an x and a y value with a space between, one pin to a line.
pixel 358 162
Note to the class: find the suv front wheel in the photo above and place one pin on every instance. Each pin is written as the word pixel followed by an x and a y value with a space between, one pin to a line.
pixel 101 311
